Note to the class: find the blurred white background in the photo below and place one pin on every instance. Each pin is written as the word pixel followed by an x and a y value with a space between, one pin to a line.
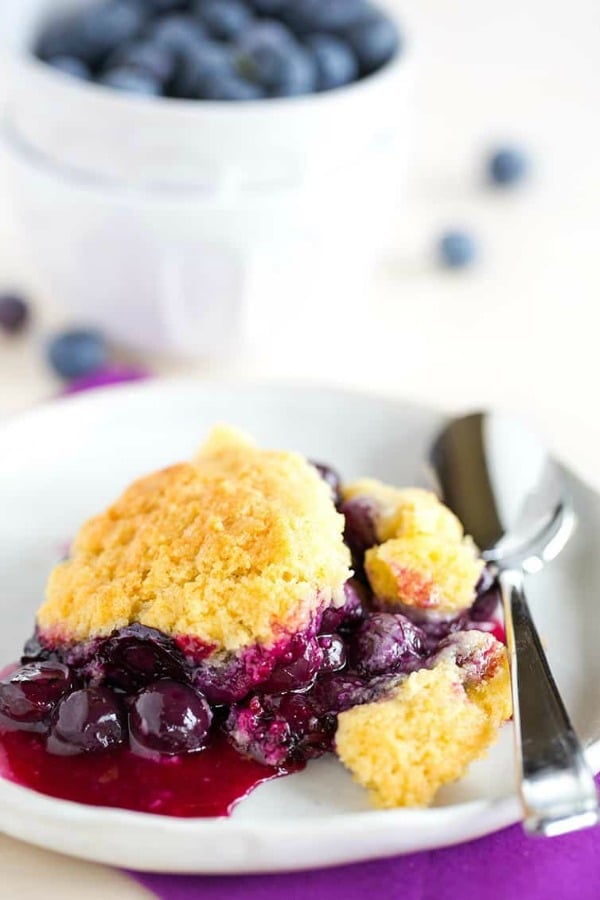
pixel 520 328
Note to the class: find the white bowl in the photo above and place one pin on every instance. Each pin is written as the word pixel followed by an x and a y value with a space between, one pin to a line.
pixel 160 220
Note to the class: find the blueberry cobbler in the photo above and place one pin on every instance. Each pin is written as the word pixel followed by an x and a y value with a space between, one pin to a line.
pixel 230 618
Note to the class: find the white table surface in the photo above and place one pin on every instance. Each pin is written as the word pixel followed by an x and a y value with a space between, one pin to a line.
pixel 520 330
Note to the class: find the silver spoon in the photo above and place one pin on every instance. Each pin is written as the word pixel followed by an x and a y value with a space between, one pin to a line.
pixel 511 497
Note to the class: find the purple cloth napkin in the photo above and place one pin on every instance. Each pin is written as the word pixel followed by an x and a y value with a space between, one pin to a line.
pixel 503 866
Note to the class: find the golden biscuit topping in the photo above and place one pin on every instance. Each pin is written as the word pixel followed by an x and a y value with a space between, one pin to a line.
pixel 405 747
pixel 233 548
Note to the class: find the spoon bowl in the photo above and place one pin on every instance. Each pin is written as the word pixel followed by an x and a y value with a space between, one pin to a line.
pixel 511 517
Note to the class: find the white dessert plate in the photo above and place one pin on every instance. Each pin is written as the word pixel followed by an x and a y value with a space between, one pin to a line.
pixel 62 462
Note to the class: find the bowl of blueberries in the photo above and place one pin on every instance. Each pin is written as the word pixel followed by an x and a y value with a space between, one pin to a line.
pixel 173 160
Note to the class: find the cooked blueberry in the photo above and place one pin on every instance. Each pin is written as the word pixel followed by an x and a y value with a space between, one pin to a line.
pixel 486 604
pixel 359 532
pixel 29 694
pixel 457 249
pixel 336 62
pixel 75 353
pixel 323 15
pixel 14 313
pixel 71 65
pixel 296 668
pixel 203 63
pixel 149 57
pixel 351 612
pixel 276 730
pixel 34 650
pixel 335 693
pixel 507 166
pixel 255 731
pixel 330 476
pixel 86 721
pixel 385 642
pixel 132 81
pixel 169 718
pixel 312 732
pixel 226 86
pixel 334 652
pixel 225 20
pixel 136 656
pixel 374 39
pixel 179 33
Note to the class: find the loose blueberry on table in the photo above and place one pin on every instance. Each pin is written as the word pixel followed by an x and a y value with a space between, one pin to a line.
pixel 207 633
pixel 220 49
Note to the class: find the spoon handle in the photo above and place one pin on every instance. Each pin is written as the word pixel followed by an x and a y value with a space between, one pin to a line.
pixel 556 784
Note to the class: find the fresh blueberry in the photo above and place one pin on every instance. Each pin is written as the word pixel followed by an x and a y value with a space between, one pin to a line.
pixel 269 7
pixel 29 694
pixel 86 721
pixel 76 353
pixel 305 16
pixel 169 718
pixel 225 20
pixel 298 77
pixel 105 26
pixel 206 61
pixel 336 62
pixel 296 668
pixel 374 39
pixel 60 37
pixel 385 643
pixel 230 87
pixel 148 56
pixel 457 249
pixel 131 81
pixel 264 52
pixel 14 313
pixel 507 166
pixel 331 477
pixel 71 65
pixel 179 33
pixel 167 6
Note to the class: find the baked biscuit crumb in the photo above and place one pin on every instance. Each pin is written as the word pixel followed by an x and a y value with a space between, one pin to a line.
pixel 405 747
pixel 235 548
pixel 425 575
pixel 405 512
